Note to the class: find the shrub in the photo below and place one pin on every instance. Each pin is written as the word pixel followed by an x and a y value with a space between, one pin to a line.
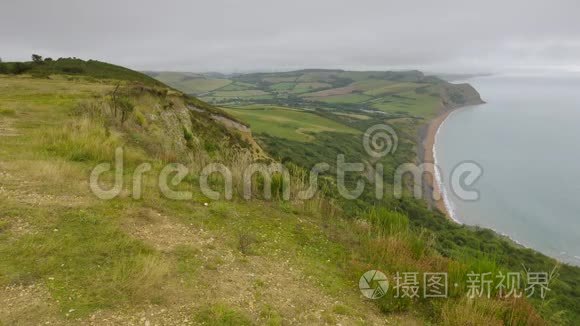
pixel 72 70
pixel 19 68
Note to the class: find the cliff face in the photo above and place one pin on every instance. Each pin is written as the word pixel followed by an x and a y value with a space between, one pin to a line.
pixel 458 95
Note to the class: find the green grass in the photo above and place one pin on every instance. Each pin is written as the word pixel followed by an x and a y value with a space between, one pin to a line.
pixel 371 84
pixel 238 86
pixel 222 315
pixel 353 115
pixel 118 270
pixel 276 79
pixel 191 84
pixel 245 93
pixel 77 67
pixel 409 103
pixel 126 255
pixel 282 86
pixel 286 123
pixel 309 87
pixel 7 112
pixel 89 259
pixel 393 88
pixel 343 99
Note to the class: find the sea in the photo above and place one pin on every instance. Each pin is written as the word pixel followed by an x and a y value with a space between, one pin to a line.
pixel 526 140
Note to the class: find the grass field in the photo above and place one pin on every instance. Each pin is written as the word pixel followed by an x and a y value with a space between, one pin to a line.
pixel 282 86
pixel 399 93
pixel 411 103
pixel 309 87
pixel 393 88
pixel 244 93
pixel 343 99
pixel 285 123
pixel 192 83
pixel 70 258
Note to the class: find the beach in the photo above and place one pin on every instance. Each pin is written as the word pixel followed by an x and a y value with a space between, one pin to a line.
pixel 528 190
pixel 431 186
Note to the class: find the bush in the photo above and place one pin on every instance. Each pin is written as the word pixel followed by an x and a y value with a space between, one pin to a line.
pixel 19 68
pixel 72 70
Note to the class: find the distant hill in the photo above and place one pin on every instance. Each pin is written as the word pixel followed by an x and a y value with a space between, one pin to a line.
pixel 300 81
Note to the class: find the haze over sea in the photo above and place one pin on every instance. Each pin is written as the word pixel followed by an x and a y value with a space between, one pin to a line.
pixel 527 140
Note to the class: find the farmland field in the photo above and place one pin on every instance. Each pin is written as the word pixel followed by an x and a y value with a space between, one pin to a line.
pixel 192 83
pixel 348 98
pixel 282 122
pixel 302 115
pixel 420 105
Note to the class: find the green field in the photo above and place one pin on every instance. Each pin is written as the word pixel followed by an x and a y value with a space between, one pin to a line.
pixel 282 86
pixel 398 93
pixel 297 125
pixel 391 88
pixel 410 103
pixel 192 83
pixel 244 93
pixel 344 99
pixel 309 87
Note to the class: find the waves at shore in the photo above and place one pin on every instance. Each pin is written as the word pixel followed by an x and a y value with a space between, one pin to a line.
pixel 518 141
pixel 439 185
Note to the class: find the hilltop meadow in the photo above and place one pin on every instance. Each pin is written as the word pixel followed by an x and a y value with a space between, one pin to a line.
pixel 69 257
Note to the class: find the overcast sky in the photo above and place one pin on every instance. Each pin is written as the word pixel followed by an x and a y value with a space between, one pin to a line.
pixel 251 35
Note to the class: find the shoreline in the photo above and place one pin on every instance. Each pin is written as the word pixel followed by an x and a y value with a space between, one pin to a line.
pixel 431 184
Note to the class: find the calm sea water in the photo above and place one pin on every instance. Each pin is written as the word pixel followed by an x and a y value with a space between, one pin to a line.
pixel 527 140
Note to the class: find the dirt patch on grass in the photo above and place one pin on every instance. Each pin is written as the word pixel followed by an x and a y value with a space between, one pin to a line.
pixel 27 305
pixel 41 199
pixel 258 284
pixel 163 232
pixel 17 226
pixel 7 129
pixel 42 183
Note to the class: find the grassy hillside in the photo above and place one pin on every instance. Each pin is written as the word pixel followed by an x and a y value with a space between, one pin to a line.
pixel 70 258
pixel 358 100
pixel 76 67
pixel 190 83
pixel 286 109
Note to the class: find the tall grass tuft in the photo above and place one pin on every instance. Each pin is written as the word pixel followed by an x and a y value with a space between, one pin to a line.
pixel 387 222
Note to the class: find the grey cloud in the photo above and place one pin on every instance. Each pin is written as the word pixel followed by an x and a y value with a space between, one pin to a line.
pixel 227 35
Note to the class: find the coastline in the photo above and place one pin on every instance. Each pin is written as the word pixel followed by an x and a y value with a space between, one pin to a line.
pixel 433 192
pixel 431 185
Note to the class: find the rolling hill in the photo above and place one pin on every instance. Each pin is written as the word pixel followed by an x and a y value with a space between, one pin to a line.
pixel 148 257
